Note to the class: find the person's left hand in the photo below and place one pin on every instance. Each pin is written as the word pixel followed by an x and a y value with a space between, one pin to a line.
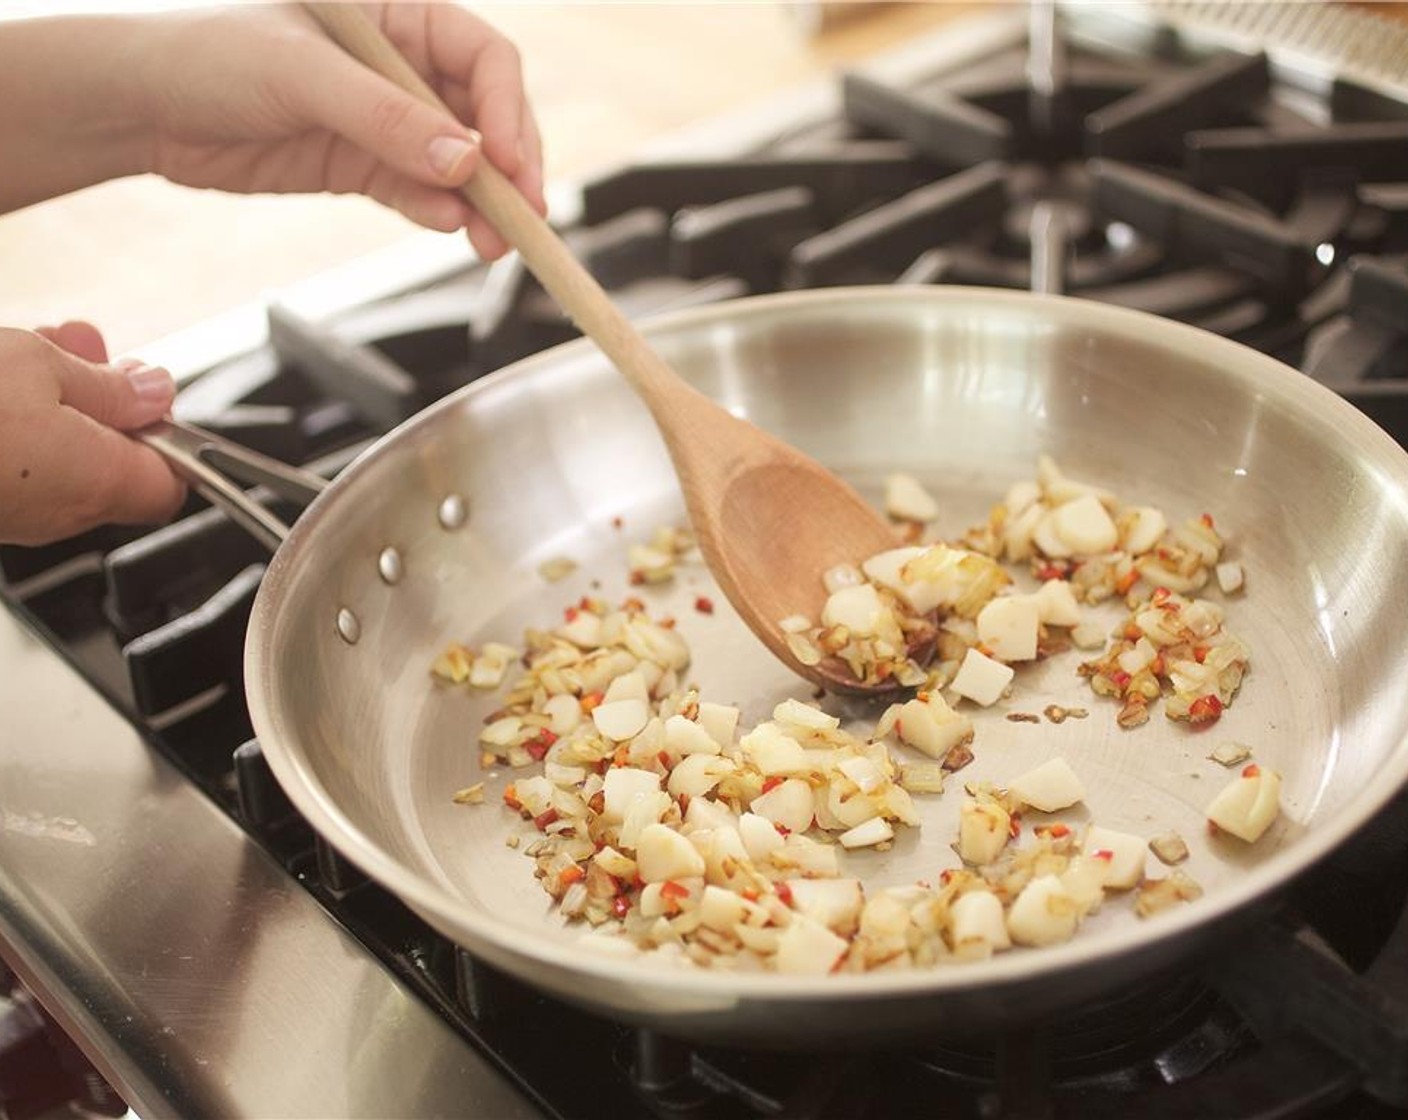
pixel 260 99
pixel 66 462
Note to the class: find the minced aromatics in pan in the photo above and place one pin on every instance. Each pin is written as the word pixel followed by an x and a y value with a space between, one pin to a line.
pixel 667 827
pixel 949 615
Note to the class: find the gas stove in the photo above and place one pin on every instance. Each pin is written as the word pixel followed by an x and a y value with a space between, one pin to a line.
pixel 210 954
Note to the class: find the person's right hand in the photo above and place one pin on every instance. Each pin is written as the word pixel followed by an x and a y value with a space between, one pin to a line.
pixel 65 464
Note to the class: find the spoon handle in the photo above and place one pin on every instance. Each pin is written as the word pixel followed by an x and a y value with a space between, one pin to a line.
pixel 545 254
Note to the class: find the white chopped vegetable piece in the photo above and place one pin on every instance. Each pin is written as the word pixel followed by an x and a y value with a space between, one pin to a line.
pixel 877 830
pixel 1045 913
pixel 842 575
pixel 1248 804
pixel 1230 754
pixel 1018 532
pixel 834 903
pixel 643 811
pixel 657 643
pixel 662 854
pixel 865 772
pixel 907 499
pixel 502 732
pixel 806 946
pixel 623 784
pixel 805 856
pixel 804 649
pixel 565 712
pixel 1088 636
pixel 653 565
pixel 789 804
pixel 772 751
pixel 1009 627
pixel 1085 526
pixel 931 726
pixel 489 667
pixel 1156 895
pixel 1127 853
pixel 719 720
pixel 628 686
pixel 1059 489
pixel 976 917
pixel 583 629
pixel 1140 529
pixel 685 737
pixel 684 894
pixel 760 836
pixel 1049 787
pixel 705 814
pixel 858 609
pixel 1085 879
pixel 981 679
pixel 983 829
pixel 804 716
pixel 534 794
pixel 1133 660
pixel 887 569
pixel 1048 539
pixel 847 808
pixel 1056 603
pixel 696 774
pixel 621 719
pixel 557 568
pixel 560 775
pixel 1021 495
pixel 964 580
pixel 453 665
pixel 721 909
pixel 615 863
pixel 1230 577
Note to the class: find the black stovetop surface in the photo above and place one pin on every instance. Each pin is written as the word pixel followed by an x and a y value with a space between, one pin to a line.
pixel 1189 187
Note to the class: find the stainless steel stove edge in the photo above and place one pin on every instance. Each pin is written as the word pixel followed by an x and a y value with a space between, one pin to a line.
pixel 195 973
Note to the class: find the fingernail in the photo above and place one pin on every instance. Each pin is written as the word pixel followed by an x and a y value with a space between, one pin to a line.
pixel 448 153
pixel 150 383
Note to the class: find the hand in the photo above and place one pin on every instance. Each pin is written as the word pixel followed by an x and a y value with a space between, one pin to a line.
pixel 65 465
pixel 259 99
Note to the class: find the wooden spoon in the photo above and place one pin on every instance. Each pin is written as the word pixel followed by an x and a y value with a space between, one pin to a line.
pixel 769 520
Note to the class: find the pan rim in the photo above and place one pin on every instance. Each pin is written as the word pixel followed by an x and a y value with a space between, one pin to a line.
pixel 444 909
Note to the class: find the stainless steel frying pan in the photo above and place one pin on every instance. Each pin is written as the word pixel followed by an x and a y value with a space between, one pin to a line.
pixel 962 388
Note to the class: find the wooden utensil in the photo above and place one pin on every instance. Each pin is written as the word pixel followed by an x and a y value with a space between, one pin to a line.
pixel 769 520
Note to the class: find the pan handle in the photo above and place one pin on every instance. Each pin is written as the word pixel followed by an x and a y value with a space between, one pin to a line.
pixel 209 462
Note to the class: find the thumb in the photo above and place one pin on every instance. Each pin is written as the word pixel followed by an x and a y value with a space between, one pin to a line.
pixel 126 396
pixel 424 143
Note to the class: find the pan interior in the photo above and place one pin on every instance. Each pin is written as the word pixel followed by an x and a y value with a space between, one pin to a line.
pixel 963 390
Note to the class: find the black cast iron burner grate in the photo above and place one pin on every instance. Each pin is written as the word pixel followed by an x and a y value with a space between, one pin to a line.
pixel 1184 186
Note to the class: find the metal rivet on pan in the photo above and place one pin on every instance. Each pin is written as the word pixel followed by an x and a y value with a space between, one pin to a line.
pixel 453 511
pixel 390 566
pixel 348 628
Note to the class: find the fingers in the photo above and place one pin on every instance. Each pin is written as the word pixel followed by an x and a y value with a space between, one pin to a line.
pixel 424 144
pixel 467 52
pixel 77 337
pixel 108 477
pixel 127 396
pixel 61 470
